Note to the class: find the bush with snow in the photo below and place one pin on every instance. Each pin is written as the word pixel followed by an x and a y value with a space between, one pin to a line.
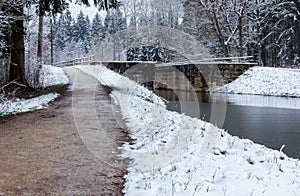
pixel 50 76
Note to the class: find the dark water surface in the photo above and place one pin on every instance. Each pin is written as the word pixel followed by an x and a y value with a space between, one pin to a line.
pixel 271 121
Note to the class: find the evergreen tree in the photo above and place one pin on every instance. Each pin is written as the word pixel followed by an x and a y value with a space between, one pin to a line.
pixel 63 36
pixel 147 53
pixel 97 31
pixel 80 28
pixel 63 30
pixel 114 22
pixel 82 32
pixel 68 26
pixel 59 33
pixel 120 23
pixel 88 38
pixel 109 24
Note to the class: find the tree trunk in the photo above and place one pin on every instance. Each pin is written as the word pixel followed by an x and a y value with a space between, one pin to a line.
pixel 39 49
pixel 1 3
pixel 297 31
pixel 258 34
pixel 17 66
pixel 240 29
pixel 40 42
pixel 297 34
pixel 51 41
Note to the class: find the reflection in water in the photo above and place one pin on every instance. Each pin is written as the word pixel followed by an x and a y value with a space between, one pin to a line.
pixel 184 96
pixel 195 104
pixel 264 101
pixel 233 99
pixel 271 121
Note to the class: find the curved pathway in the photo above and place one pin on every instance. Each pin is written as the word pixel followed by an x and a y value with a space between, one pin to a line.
pixel 47 152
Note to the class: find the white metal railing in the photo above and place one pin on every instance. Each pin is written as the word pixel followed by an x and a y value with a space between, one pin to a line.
pixel 91 60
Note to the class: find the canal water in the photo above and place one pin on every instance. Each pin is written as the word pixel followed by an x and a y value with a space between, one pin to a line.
pixel 271 121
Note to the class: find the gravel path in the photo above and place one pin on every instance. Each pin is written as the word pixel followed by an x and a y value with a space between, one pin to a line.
pixel 70 148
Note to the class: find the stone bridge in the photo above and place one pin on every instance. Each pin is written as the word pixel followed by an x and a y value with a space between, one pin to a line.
pixel 197 75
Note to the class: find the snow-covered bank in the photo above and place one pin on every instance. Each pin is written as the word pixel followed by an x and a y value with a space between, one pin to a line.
pixel 50 76
pixel 177 155
pixel 266 81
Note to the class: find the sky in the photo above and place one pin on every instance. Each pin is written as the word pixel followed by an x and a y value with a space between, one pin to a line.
pixel 90 11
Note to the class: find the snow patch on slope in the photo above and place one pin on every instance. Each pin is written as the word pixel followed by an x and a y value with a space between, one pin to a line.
pixel 21 105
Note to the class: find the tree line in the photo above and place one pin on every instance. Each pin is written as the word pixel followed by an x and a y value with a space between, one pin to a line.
pixel 269 30
pixel 73 37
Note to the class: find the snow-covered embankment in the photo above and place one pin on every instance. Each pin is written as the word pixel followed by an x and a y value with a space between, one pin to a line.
pixel 174 154
pixel 266 81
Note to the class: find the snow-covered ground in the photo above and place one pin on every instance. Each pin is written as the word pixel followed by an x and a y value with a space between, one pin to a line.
pixel 50 76
pixel 266 81
pixel 22 105
pixel 174 154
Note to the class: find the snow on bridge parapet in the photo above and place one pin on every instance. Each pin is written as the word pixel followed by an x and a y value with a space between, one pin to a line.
pixel 245 60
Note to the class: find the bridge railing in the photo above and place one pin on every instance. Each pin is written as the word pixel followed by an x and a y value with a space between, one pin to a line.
pixel 78 61
pixel 232 59
pixel 91 60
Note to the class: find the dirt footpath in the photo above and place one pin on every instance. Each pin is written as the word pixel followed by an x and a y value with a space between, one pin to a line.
pixel 46 153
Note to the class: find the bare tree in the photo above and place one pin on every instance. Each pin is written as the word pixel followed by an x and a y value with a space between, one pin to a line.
pixel 227 19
